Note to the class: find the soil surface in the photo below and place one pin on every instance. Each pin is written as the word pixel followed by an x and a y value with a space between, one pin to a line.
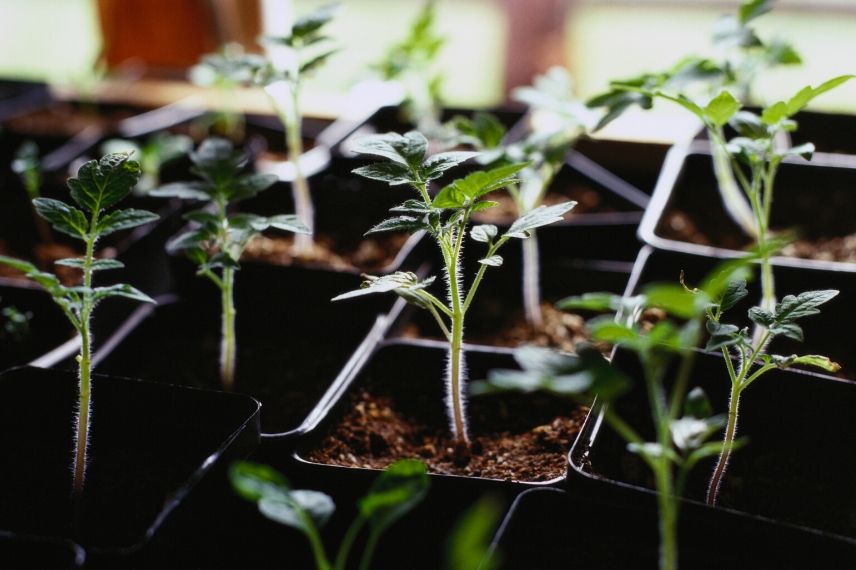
pixel 589 201
pixel 678 225
pixel 505 444
pixel 370 254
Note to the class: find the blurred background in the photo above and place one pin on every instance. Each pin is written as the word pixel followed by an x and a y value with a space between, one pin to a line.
pixel 492 45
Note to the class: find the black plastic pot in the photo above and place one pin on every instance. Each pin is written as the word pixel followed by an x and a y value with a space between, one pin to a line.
pixel 292 341
pixel 795 468
pixel 150 444
pixel 421 396
pixel 27 552
pixel 810 197
pixel 498 305
pixel 552 529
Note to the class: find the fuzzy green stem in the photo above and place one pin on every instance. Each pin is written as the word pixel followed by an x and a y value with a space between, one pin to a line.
pixel 311 531
pixel 531 281
pixel 733 199
pixel 727 444
pixel 227 341
pixel 456 345
pixel 368 552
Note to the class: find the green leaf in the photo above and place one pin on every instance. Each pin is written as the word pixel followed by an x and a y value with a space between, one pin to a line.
pixel 102 183
pixel 249 185
pixel 492 261
pixel 197 238
pixel 734 293
pixel 675 300
pixel 464 192
pixel 484 233
pixel 817 361
pixel 64 218
pixel 408 149
pixel 805 150
pixel 761 317
pixel 384 284
pixel 253 481
pixel 807 94
pixel 540 216
pixel 291 508
pixel 97 264
pixel 316 61
pixel 407 224
pixel 392 173
pixel 592 302
pixel 749 125
pixel 753 9
pixel 652 451
pixel 721 108
pixel 397 490
pixel 124 219
pixel 311 23
pixel 721 335
pixel 697 404
pixel 606 329
pixel 19 264
pixel 435 165
pixel 417 207
pixel 121 290
pixel 690 433
pixel 185 190
pixel 803 305
pixel 285 222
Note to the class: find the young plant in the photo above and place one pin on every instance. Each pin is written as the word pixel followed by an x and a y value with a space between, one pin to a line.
pixel 225 71
pixel 100 185
pixel 400 488
pixel 742 56
pixel 412 63
pixel 445 217
pixel 753 361
pixel 15 323
pixel 291 59
pixel 557 121
pixel 217 240
pixel 158 150
pixel 28 167
pixel 682 419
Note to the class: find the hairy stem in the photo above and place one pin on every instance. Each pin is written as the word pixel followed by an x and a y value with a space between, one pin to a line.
pixel 227 340
pixel 728 443
pixel 732 198
pixel 84 366
pixel 456 364
pixel 531 281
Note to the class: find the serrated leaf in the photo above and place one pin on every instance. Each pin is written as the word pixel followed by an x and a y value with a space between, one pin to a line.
pixel 124 219
pixel 761 316
pixel 384 284
pixel 734 293
pixel 392 173
pixel 102 183
pixel 817 361
pixel 412 207
pixel 289 509
pixel 803 305
pixel 484 233
pixel 492 261
pixel 121 290
pixel 463 192
pixel 97 264
pixel 286 222
pixel 435 165
pixel 63 217
pixel 307 25
pixel 397 490
pixel 408 149
pixel 249 185
pixel 540 216
pixel 407 224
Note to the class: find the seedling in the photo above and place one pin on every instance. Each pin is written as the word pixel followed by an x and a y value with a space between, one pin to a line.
pixel 15 323
pixel 218 238
pixel 400 488
pixel 752 358
pixel 291 59
pixel 445 218
pixel 100 185
pixel 413 63
pixel 557 121
pixel 742 56
pixel 28 167
pixel 683 420
pixel 225 71
pixel 157 151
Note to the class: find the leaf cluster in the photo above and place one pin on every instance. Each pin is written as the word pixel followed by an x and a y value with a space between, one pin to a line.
pixel 398 489
pixel 99 185
pixel 218 238
pixel 305 39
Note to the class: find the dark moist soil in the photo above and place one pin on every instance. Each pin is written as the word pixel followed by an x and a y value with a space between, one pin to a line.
pixel 678 225
pixel 370 254
pixel 506 444
pixel 589 201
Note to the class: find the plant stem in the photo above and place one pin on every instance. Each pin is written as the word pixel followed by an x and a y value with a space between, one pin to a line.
pixel 227 340
pixel 303 206
pixel 368 552
pixel 311 531
pixel 668 505
pixel 531 281
pixel 732 198
pixel 456 364
pixel 727 444
pixel 84 366
pixel 348 542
